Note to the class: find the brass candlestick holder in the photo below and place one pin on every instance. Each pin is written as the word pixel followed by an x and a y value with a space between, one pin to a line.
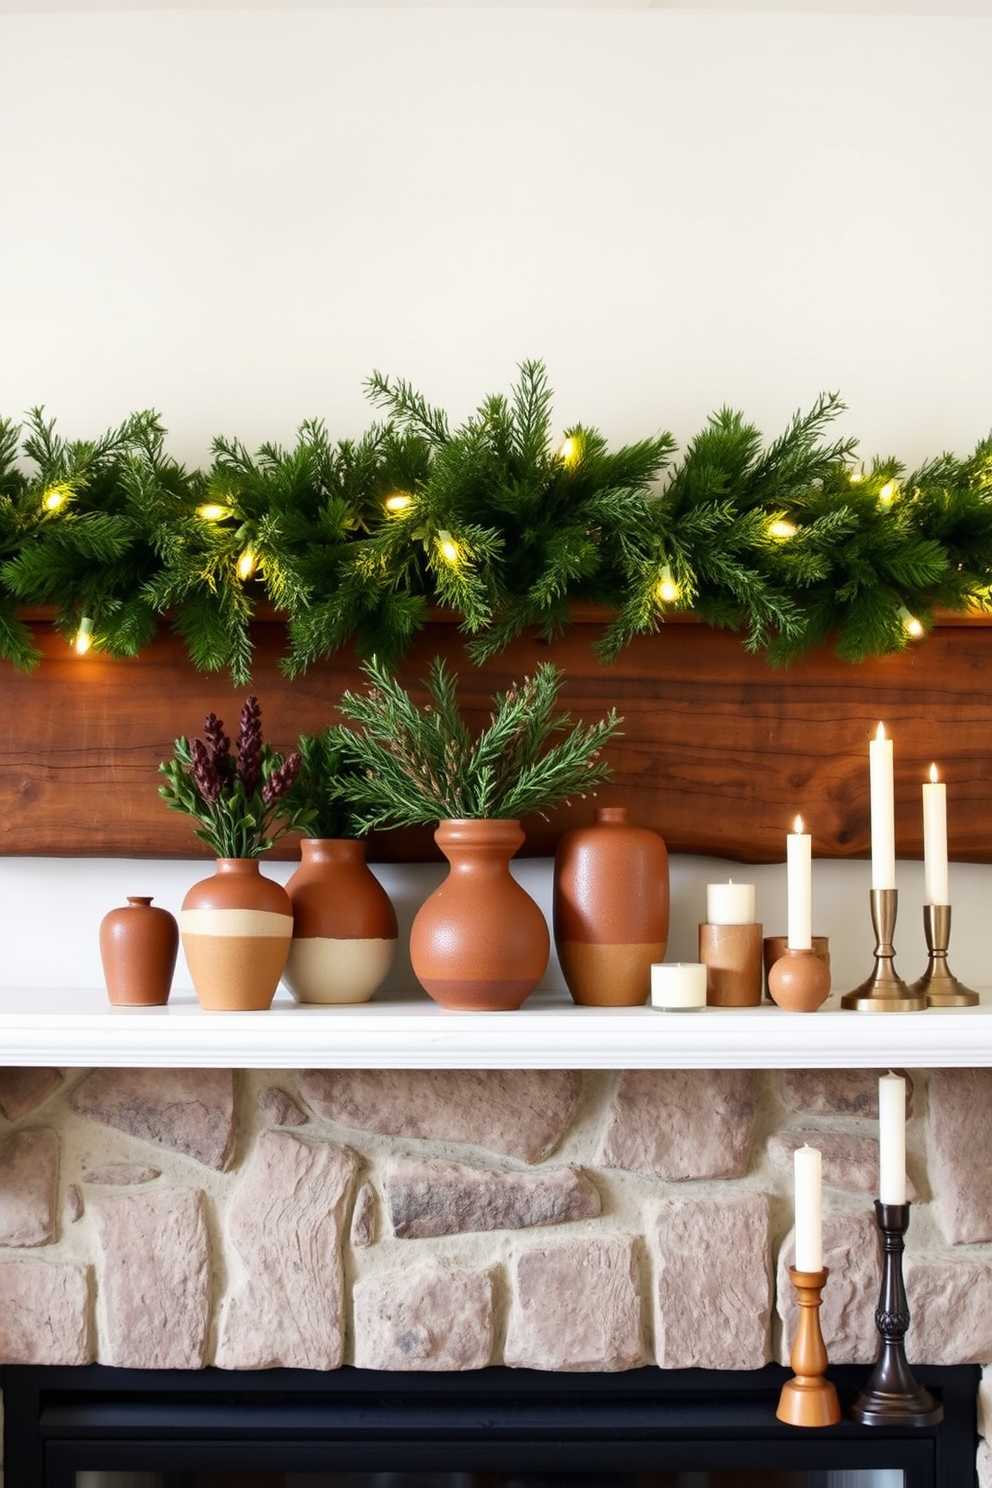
pixel 884 991
pixel 808 1399
pixel 937 985
pixel 892 1396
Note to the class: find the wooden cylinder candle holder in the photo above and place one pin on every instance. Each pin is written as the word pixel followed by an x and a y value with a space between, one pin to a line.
pixel 808 1399
pixel 732 955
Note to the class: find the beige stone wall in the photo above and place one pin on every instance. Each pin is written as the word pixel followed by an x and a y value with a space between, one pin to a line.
pixel 449 1220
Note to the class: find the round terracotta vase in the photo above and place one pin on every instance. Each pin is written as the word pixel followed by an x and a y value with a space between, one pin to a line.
pixel 479 942
pixel 236 929
pixel 611 900
pixel 139 943
pixel 344 925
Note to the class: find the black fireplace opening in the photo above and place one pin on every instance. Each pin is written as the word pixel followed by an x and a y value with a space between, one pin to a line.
pixel 99 1427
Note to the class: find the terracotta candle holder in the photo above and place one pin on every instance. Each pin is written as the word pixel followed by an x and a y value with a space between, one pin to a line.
pixel 733 960
pixel 799 981
pixel 775 947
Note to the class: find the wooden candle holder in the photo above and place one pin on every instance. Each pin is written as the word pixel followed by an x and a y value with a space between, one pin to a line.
pixel 808 1399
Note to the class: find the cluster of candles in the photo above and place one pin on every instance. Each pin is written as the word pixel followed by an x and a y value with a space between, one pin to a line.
pixel 883 843
pixel 891 1173
pixel 683 984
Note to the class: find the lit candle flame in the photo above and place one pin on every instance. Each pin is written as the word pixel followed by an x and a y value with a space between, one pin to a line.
pixel 934 777
pixel 880 731
pixel 797 825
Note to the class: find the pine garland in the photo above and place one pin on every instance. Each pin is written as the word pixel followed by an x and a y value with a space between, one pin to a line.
pixel 792 543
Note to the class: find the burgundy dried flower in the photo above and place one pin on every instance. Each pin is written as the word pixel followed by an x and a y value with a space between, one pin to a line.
pixel 219 746
pixel 281 779
pixel 206 777
pixel 250 744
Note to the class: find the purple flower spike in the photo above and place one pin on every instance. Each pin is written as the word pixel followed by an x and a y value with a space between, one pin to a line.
pixel 219 746
pixel 206 777
pixel 281 779
pixel 250 744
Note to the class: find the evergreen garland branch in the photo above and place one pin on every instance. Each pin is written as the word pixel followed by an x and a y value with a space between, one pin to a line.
pixel 789 542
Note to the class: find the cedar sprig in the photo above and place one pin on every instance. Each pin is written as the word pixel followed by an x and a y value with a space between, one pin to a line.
pixel 243 801
pixel 420 763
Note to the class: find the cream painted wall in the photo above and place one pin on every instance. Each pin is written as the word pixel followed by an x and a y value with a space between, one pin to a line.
pixel 233 216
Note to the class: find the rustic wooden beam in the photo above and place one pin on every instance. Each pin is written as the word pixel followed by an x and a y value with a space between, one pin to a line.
pixel 719 751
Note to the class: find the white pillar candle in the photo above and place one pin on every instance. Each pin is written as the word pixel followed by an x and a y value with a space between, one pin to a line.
pixel 936 890
pixel 809 1223
pixel 730 903
pixel 892 1139
pixel 799 877
pixel 883 812
pixel 678 984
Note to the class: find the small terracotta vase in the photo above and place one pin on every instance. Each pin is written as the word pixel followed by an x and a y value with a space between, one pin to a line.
pixel 799 981
pixel 139 943
pixel 344 925
pixel 236 929
pixel 611 904
pixel 479 942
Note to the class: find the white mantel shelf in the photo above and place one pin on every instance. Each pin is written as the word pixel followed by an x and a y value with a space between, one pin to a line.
pixel 77 1028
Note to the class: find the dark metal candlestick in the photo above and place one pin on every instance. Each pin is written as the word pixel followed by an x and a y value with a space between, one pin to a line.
pixel 884 991
pixel 937 985
pixel 892 1396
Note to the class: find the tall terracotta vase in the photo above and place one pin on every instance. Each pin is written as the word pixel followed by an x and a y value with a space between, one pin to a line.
pixel 139 943
pixel 611 900
pixel 344 925
pixel 236 929
pixel 479 942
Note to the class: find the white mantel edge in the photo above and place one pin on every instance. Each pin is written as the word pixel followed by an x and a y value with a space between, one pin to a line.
pixel 77 1028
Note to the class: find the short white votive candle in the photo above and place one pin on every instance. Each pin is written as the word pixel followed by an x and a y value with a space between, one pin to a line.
pixel 730 904
pixel 678 985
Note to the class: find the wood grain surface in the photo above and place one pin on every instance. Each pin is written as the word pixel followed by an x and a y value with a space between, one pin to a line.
pixel 719 751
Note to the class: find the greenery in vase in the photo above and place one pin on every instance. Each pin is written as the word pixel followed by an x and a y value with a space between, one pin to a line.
pixel 414 765
pixel 241 798
pixel 320 790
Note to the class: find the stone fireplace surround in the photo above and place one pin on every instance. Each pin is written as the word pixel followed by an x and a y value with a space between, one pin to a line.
pixel 441 1220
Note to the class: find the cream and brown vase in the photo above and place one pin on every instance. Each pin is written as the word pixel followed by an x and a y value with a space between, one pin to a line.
pixel 236 929
pixel 344 924
pixel 610 906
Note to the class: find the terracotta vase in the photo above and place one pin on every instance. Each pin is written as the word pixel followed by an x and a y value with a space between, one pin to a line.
pixel 236 929
pixel 344 925
pixel 479 942
pixel 139 943
pixel 611 902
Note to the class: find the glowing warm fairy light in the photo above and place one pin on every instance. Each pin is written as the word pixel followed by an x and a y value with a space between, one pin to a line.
pixel 55 497
pixel 888 493
pixel 448 548
pixel 569 450
pixel 856 476
pixel 212 512
pixel 246 564
pixel 782 529
pixel 667 590
pixel 84 636
pixel 912 626
pixel 399 501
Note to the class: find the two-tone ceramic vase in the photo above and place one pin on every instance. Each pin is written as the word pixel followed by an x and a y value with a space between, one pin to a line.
pixel 610 909
pixel 479 942
pixel 344 924
pixel 236 929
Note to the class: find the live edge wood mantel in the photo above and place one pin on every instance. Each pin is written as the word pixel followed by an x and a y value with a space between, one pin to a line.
pixel 718 754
